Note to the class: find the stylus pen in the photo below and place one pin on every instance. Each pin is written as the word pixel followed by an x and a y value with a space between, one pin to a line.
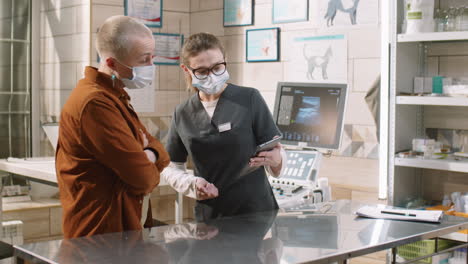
pixel 396 213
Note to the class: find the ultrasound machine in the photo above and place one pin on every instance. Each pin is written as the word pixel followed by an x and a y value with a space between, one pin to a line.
pixel 310 117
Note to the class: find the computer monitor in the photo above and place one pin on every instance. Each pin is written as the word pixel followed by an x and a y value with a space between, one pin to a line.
pixel 310 114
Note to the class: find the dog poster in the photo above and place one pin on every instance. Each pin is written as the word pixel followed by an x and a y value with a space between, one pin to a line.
pixel 314 58
pixel 332 13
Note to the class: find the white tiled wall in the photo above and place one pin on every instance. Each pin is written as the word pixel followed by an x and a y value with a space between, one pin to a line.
pixel 64 47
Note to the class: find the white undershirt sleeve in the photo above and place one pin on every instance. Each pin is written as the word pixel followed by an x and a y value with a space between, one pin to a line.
pixel 178 178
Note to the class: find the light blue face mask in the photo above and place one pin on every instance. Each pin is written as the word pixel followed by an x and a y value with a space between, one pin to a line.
pixel 142 76
pixel 211 85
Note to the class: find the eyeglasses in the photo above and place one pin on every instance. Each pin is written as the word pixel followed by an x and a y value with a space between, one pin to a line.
pixel 203 73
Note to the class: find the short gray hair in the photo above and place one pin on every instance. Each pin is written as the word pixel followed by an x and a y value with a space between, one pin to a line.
pixel 113 37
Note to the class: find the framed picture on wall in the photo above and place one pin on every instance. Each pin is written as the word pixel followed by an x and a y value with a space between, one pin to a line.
pixel 287 11
pixel 167 49
pixel 262 45
pixel 238 13
pixel 148 12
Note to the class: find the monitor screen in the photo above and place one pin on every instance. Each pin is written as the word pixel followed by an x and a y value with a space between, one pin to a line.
pixel 310 114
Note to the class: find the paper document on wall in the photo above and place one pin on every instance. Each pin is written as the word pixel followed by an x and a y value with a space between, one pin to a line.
pixel 400 214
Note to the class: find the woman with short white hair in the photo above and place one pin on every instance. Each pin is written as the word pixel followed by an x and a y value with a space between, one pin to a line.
pixel 107 163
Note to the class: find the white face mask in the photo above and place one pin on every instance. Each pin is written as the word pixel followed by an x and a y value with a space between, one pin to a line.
pixel 142 77
pixel 211 85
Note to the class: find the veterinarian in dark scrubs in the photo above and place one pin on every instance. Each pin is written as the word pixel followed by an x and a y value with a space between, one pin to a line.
pixel 219 127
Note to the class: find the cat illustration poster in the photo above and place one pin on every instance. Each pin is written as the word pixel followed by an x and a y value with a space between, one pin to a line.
pixel 332 13
pixel 315 58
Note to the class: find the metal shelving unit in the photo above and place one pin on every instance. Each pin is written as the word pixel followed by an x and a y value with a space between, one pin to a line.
pixel 449 164
pixel 432 100
pixel 433 37
pixel 409 116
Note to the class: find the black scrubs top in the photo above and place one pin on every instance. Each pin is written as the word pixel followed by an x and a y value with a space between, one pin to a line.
pixel 221 156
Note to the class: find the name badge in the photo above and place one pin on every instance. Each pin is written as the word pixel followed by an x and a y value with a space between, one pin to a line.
pixel 224 127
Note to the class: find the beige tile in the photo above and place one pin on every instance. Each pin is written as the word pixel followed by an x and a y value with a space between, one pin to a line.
pixel 235 48
pixel 176 23
pixel 51 101
pixel 57 49
pixel 177 5
pixel 58 76
pixel 367 197
pixel 258 2
pixel 183 81
pixel 83 21
pixel 364 43
pixel 203 22
pixel 61 21
pixel 352 173
pixel 340 193
pixel 357 111
pixel 350 75
pixel 104 11
pixel 263 76
pixel 263 15
pixel 166 101
pixel 35 222
pixel 236 73
pixel 169 78
pixel 81 48
pixel 203 5
pixel 44 4
pixel 365 73
pixel 59 4
pixel 108 2
pixel 46 30
pixel 56 221
pixel 230 31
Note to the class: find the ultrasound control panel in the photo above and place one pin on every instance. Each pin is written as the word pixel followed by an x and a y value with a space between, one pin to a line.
pixel 299 178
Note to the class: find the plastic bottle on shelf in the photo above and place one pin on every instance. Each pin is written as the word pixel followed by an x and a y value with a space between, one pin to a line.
pixel 446 201
pixel 440 20
pixel 429 149
pixel 463 26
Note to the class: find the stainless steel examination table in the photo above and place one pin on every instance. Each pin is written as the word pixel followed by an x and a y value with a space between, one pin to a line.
pixel 330 233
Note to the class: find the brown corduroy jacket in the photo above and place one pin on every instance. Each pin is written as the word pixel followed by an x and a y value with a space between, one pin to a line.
pixel 102 169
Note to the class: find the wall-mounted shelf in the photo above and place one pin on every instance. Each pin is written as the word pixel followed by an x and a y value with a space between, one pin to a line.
pixel 432 100
pixel 448 164
pixel 434 36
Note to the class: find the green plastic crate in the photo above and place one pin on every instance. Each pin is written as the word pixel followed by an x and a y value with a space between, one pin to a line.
pixel 423 247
